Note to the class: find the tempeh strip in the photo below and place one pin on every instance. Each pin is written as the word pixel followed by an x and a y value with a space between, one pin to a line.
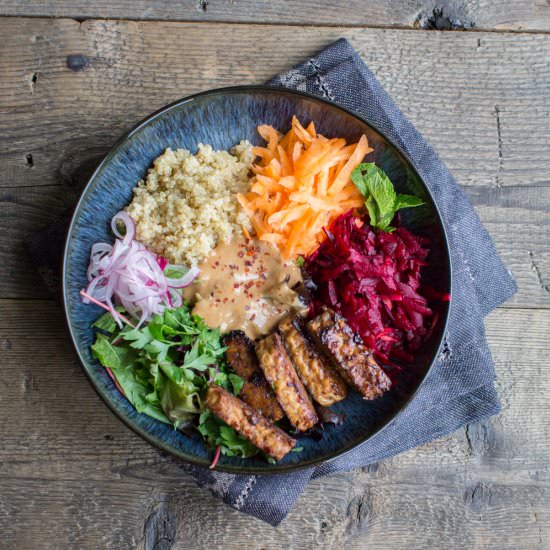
pixel 248 422
pixel 349 355
pixel 256 392
pixel 290 391
pixel 323 383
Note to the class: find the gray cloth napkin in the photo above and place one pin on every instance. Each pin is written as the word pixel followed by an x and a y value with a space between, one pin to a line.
pixel 459 388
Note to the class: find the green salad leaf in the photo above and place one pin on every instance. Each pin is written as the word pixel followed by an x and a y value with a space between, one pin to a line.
pixel 165 367
pixel 110 355
pixel 106 323
pixel 381 200
pixel 217 433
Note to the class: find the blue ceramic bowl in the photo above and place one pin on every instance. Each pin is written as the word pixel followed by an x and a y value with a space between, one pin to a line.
pixel 222 118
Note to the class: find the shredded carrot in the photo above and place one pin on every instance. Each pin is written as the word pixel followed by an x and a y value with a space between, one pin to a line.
pixel 301 183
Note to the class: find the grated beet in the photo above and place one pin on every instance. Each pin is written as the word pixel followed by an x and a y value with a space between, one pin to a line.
pixel 372 278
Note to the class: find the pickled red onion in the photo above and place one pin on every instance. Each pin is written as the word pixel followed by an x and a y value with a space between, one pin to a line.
pixel 128 274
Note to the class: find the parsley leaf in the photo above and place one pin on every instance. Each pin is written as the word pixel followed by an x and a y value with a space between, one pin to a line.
pixel 381 200
pixel 237 382
pixel 138 338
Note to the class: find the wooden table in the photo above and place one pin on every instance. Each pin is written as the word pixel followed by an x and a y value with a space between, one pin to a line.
pixel 71 475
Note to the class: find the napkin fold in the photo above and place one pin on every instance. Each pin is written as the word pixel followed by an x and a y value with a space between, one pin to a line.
pixel 459 388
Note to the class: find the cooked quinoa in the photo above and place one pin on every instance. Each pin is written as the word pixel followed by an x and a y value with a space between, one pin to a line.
pixel 187 204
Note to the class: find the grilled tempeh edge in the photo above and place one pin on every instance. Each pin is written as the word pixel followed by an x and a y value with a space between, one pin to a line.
pixel 279 372
pixel 323 383
pixel 248 422
pixel 242 359
pixel 349 355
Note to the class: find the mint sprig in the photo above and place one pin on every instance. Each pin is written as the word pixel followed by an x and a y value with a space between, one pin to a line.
pixel 381 200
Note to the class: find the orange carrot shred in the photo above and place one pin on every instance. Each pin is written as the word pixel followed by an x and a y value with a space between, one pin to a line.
pixel 301 183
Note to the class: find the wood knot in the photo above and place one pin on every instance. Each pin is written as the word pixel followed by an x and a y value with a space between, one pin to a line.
pixel 439 21
pixel 77 62
pixel 478 497
pixel 359 511
pixel 482 437
pixel 160 527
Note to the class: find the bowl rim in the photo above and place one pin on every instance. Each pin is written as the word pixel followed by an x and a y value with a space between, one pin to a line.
pixel 269 469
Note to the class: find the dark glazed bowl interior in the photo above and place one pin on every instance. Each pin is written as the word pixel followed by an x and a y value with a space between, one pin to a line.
pixel 222 118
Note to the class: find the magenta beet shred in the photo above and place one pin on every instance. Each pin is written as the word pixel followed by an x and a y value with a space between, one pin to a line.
pixel 373 279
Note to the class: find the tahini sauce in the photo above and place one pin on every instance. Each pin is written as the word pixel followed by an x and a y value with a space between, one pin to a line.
pixel 245 285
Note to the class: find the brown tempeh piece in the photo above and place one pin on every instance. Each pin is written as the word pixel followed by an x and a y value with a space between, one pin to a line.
pixel 248 422
pixel 290 391
pixel 322 381
pixel 350 356
pixel 242 359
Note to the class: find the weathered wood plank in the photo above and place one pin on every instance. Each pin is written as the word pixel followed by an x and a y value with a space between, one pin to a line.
pixel 486 111
pixel 23 211
pixel 73 482
pixel 518 218
pixel 67 481
pixel 427 14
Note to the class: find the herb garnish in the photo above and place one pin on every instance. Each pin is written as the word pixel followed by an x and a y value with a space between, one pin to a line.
pixel 165 367
pixel 381 200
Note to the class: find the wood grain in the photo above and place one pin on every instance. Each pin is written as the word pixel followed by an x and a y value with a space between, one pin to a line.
pixel 77 470
pixel 490 125
pixel 485 111
pixel 71 475
pixel 428 14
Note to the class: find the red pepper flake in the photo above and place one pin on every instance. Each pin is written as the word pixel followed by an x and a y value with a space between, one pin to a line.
pixel 235 285
pixel 252 317
pixel 240 254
